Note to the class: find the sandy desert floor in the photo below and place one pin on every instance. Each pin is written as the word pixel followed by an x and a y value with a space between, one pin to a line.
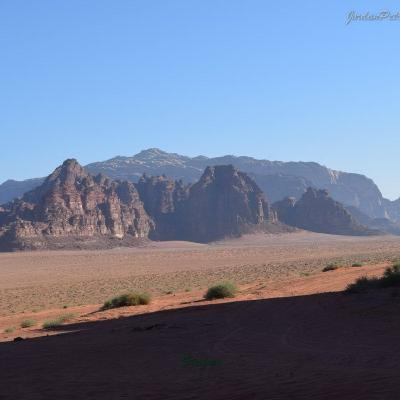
pixel 35 281
pixel 290 334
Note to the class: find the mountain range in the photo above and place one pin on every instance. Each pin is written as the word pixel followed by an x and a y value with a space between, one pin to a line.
pixel 275 178
pixel 73 208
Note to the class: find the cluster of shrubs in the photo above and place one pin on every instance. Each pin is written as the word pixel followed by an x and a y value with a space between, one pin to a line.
pixel 390 278
pixel 333 266
pixel 220 291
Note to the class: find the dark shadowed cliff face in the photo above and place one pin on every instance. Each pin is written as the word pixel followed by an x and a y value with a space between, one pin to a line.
pixel 318 212
pixel 224 202
pixel 71 203
pixel 164 200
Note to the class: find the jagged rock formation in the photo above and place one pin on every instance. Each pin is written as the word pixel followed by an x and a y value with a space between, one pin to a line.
pixel 277 179
pixel 224 202
pixel 71 204
pixel 316 211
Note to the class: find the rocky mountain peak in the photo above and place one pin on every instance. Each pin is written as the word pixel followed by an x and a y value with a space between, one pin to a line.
pixel 151 153
pixel 69 171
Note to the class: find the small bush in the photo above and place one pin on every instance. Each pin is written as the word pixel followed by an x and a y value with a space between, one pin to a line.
pixel 51 324
pixel 357 264
pixel 362 284
pixel 127 299
pixel 331 267
pixel 220 291
pixel 10 329
pixel 27 323
pixel 390 278
pixel 54 323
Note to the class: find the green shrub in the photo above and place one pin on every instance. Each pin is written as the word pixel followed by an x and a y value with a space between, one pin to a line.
pixel 127 299
pixel 331 267
pixel 10 329
pixel 27 323
pixel 390 278
pixel 54 323
pixel 357 264
pixel 220 291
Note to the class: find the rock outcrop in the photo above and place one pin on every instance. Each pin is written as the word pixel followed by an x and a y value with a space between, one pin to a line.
pixel 225 202
pixel 72 204
pixel 316 211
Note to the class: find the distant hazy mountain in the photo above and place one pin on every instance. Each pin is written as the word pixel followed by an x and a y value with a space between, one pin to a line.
pixel 277 179
pixel 381 224
pixel 11 189
pixel 316 211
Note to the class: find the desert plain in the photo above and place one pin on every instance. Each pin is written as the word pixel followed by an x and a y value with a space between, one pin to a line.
pixel 291 333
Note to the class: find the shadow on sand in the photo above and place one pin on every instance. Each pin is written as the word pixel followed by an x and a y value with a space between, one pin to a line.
pixel 323 346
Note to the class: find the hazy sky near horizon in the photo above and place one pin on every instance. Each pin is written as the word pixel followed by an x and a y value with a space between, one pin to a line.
pixel 275 80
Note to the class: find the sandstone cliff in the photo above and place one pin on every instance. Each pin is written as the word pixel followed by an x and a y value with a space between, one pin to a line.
pixel 70 204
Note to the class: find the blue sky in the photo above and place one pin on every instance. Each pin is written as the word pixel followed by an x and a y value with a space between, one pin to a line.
pixel 277 80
